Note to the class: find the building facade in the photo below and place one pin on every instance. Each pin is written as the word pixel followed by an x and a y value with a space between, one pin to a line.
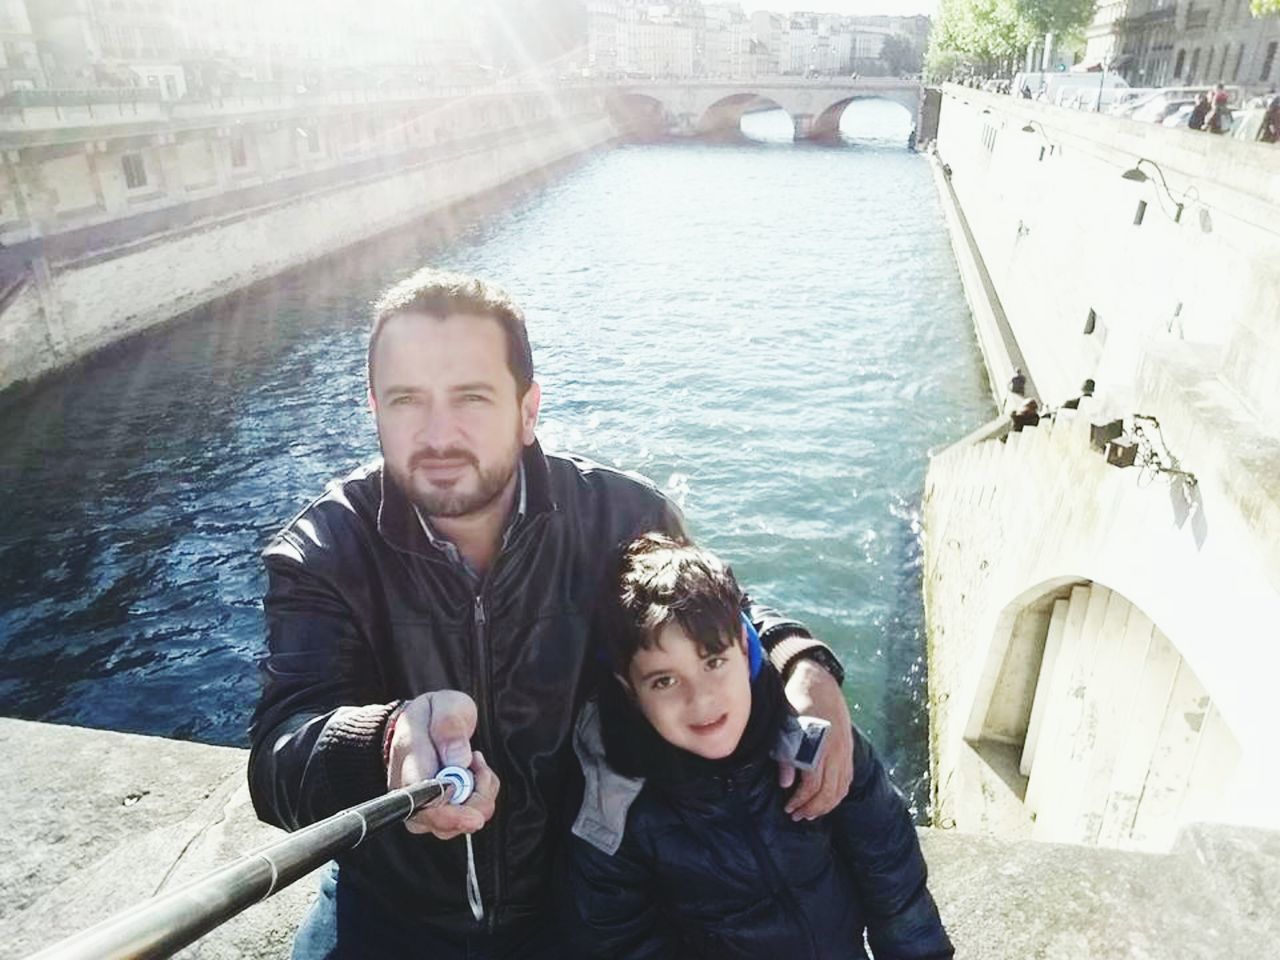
pixel 720 40
pixel 192 48
pixel 1156 43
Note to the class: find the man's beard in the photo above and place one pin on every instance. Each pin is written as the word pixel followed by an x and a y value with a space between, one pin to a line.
pixel 453 502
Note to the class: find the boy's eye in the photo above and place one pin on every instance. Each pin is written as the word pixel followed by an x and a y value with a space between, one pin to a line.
pixel 715 663
pixel 662 683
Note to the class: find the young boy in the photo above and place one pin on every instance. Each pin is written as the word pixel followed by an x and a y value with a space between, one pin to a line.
pixel 682 848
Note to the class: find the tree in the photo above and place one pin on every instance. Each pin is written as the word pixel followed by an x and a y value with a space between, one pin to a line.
pixel 1056 16
pixel 1261 8
pixel 990 36
pixel 900 55
pixel 976 36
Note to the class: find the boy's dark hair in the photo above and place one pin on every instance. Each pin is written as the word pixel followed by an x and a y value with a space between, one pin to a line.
pixel 441 294
pixel 662 581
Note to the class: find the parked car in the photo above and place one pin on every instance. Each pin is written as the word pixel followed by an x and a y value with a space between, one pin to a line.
pixel 1181 117
pixel 1247 123
pixel 1127 100
pixel 1049 85
pixel 1154 108
pixel 1160 108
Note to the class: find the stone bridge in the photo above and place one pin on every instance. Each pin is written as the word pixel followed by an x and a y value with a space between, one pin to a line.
pixel 714 106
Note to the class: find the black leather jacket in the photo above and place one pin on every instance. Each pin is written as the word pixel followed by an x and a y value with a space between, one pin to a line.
pixel 363 610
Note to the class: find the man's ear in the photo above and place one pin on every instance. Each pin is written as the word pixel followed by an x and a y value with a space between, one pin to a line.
pixel 373 401
pixel 529 405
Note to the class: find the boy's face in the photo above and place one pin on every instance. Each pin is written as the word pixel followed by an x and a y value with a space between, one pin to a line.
pixel 699 703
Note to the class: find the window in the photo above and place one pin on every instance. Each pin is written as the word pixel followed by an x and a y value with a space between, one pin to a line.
pixel 171 86
pixel 1235 74
pixel 312 136
pixel 135 171
pixel 1208 64
pixel 1178 64
pixel 1195 63
pixel 238 157
pixel 1270 58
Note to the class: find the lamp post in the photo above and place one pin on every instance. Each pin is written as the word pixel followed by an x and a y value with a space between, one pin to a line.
pixel 1137 175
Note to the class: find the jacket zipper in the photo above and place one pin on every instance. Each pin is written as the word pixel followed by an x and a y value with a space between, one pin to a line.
pixel 766 860
pixel 486 708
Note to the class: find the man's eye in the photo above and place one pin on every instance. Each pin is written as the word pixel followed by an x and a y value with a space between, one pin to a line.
pixel 662 683
pixel 402 400
pixel 474 398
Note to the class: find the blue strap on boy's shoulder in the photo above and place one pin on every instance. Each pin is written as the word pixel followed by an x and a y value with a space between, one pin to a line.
pixel 755 649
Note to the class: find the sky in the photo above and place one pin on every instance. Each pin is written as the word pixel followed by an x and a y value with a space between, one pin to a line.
pixel 862 7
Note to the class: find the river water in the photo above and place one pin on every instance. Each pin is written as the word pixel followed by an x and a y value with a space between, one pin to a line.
pixel 774 333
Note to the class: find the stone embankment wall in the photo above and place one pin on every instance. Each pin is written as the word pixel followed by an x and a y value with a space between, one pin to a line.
pixel 58 311
pixel 1101 638
pixel 1054 220
pixel 137 816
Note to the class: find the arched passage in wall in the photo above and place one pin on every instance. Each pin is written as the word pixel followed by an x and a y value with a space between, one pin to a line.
pixel 638 115
pixel 1094 720
pixel 875 118
pixel 724 117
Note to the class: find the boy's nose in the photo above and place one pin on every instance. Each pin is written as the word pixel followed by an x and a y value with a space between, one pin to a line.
pixel 701 699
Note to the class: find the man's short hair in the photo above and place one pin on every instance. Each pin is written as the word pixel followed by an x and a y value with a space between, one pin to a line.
pixel 439 293
pixel 662 581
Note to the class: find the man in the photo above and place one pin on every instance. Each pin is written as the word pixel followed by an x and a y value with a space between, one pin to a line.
pixel 1086 390
pixel 1199 112
pixel 441 601
pixel 1220 117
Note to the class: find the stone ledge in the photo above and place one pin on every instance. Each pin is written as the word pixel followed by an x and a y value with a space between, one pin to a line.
pixel 81 850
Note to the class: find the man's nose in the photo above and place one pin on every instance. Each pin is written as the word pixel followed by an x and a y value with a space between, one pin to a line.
pixel 436 428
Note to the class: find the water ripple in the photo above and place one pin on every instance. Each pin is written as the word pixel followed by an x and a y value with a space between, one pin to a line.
pixel 775 335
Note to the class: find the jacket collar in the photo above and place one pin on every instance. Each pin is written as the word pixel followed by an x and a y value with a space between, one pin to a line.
pixel 398 521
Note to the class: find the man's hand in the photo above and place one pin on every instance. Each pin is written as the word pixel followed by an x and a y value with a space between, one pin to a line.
pixel 814 692
pixel 432 732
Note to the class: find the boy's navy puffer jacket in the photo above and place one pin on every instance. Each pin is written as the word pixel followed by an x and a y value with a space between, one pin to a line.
pixel 712 866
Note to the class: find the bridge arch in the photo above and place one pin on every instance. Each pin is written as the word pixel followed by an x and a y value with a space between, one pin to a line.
pixel 639 114
pixel 826 124
pixel 724 116
pixel 695 106
pixel 1092 719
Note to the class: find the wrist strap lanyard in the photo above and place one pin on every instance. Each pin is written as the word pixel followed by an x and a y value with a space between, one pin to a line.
pixel 473 884
pixel 463 786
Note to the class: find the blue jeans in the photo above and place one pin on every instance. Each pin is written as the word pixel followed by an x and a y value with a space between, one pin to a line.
pixel 344 925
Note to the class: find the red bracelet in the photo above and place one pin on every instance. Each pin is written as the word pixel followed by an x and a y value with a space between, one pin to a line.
pixel 390 730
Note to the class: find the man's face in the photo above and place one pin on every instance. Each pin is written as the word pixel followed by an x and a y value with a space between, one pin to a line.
pixel 449 422
pixel 699 702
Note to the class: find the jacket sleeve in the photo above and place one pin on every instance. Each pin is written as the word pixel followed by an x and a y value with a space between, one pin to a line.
pixel 316 736
pixel 874 835
pixel 612 905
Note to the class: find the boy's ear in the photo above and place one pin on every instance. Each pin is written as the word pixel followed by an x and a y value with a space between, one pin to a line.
pixel 742 635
